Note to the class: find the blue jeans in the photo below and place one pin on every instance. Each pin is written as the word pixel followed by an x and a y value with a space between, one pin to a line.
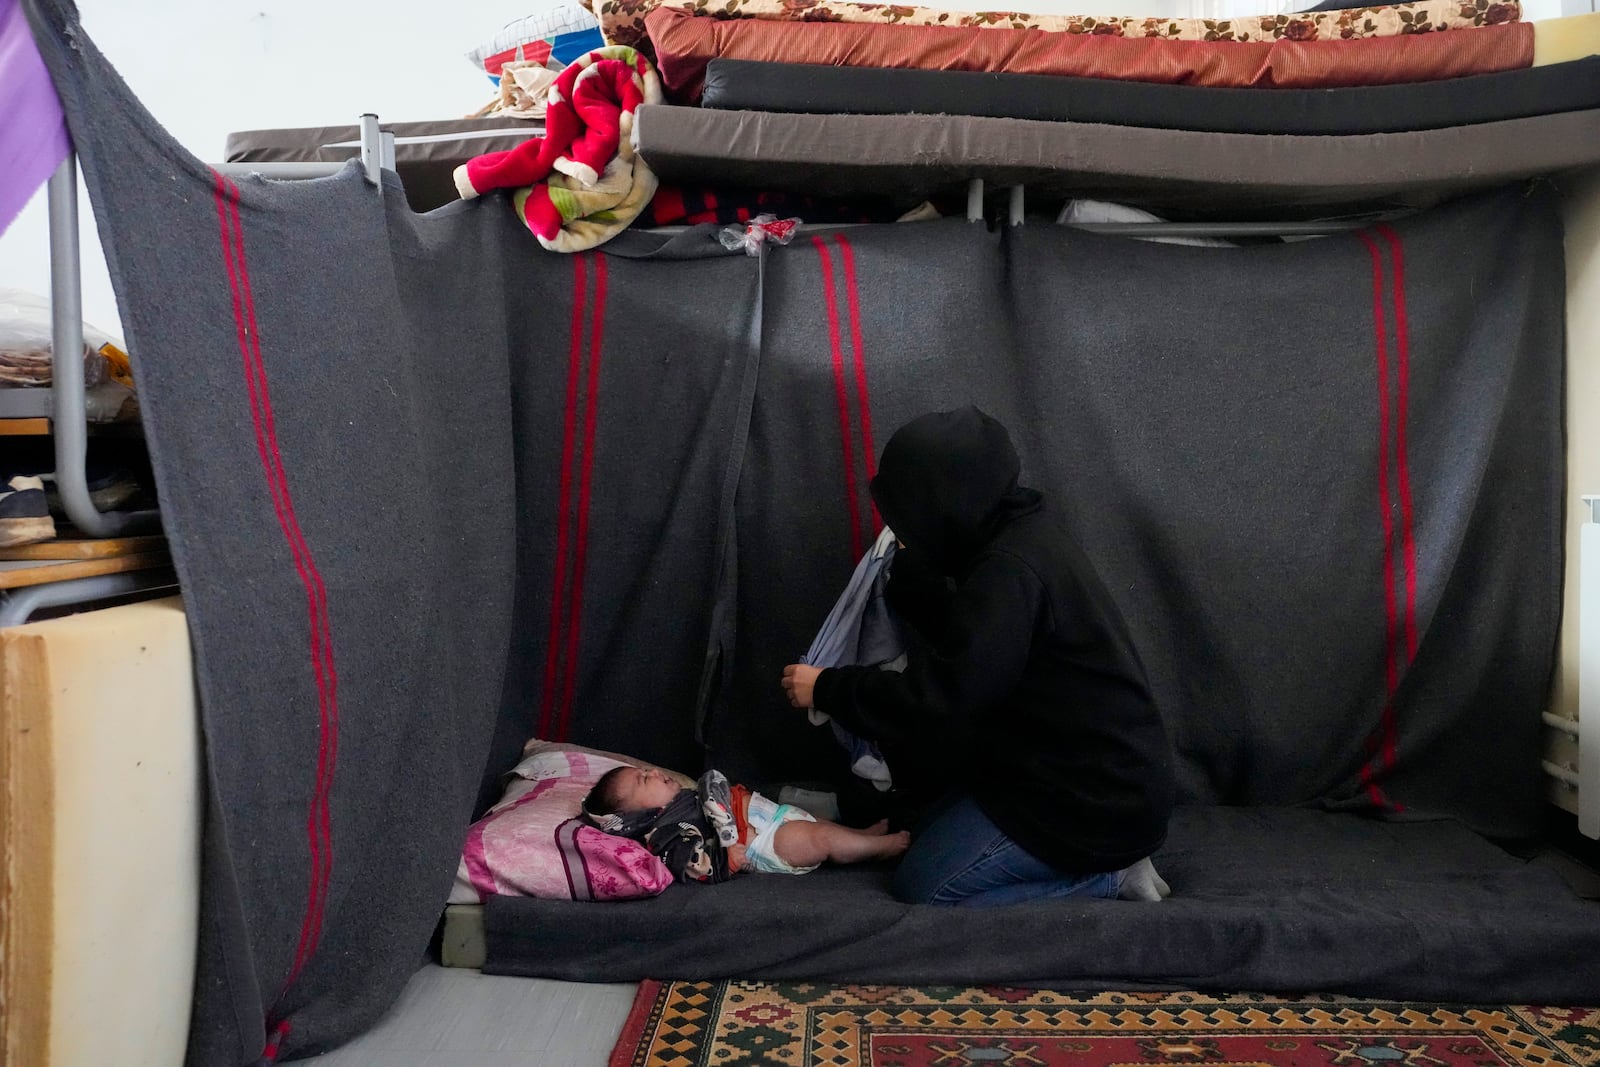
pixel 959 857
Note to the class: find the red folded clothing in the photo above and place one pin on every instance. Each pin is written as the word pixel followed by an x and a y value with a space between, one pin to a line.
pixel 675 206
pixel 685 43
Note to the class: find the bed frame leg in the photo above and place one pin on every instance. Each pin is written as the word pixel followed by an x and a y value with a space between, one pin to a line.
pixel 17 606
pixel 1589 671
pixel 371 148
pixel 69 426
pixel 975 200
pixel 1016 208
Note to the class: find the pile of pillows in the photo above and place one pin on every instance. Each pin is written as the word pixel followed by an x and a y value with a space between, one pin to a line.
pixel 552 37
pixel 532 843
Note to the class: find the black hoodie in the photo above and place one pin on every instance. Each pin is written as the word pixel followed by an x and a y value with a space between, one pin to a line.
pixel 1023 686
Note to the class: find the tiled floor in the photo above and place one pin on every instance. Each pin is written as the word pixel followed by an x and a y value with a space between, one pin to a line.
pixel 456 1018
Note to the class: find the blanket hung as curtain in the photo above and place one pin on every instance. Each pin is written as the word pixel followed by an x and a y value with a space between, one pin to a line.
pixel 432 490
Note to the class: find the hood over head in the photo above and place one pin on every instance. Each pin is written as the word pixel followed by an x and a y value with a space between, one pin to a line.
pixel 947 482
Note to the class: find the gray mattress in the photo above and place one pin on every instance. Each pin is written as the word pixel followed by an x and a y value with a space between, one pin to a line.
pixel 1266 899
pixel 1198 174
pixel 425 152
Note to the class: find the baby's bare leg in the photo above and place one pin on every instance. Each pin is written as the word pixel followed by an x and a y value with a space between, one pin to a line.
pixel 806 844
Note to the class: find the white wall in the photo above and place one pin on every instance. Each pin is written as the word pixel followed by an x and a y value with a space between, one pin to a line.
pixel 205 68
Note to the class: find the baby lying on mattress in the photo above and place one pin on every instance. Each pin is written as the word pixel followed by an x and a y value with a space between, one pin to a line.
pixel 713 831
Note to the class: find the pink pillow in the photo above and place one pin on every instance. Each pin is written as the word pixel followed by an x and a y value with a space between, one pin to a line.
pixel 533 844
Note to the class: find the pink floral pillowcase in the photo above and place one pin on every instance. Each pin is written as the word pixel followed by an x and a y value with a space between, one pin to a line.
pixel 533 844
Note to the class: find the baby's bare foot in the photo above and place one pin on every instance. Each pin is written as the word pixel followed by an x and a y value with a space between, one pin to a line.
pixel 896 844
pixel 878 829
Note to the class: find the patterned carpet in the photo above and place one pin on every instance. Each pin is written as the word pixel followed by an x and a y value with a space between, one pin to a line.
pixel 797 1024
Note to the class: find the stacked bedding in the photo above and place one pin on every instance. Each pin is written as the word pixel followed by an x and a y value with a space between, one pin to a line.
pixel 685 43
pixel 1398 106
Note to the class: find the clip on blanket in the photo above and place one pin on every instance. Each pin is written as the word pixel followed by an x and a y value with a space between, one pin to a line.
pixel 759 230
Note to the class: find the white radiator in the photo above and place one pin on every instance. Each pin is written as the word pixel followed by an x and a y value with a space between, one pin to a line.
pixel 1572 742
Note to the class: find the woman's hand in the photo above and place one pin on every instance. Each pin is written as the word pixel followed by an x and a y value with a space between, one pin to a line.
pixel 800 681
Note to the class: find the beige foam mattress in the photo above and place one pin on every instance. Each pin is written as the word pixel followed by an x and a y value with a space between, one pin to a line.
pixel 100 760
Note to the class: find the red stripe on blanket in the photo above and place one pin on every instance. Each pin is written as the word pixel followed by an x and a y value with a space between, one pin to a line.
pixel 330 719
pixel 1404 472
pixel 831 302
pixel 269 1052
pixel 1402 334
pixel 863 402
pixel 224 221
pixel 591 410
pixel 548 712
pixel 1390 676
pixel 319 834
pixel 319 829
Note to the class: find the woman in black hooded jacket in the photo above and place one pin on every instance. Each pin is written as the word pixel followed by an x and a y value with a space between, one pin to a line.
pixel 1023 704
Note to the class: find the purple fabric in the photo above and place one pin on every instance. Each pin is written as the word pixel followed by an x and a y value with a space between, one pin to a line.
pixel 33 137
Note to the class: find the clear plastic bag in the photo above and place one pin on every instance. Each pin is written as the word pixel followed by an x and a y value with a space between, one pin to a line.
pixel 25 345
pixel 760 230
pixel 110 401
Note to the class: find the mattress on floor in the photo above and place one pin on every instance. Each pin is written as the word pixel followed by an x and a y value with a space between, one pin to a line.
pixel 746 85
pixel 1202 175
pixel 425 153
pixel 461 942
pixel 1274 900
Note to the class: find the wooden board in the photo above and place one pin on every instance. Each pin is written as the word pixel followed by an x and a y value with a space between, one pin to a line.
pixel 24 427
pixel 15 574
pixel 86 548
pixel 40 427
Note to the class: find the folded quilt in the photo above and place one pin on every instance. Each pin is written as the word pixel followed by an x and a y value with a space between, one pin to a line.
pixel 581 183
pixel 685 44
pixel 623 21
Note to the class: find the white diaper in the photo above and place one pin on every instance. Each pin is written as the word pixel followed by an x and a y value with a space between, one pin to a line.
pixel 765 816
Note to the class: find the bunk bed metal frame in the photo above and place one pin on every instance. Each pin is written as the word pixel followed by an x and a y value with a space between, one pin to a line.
pixel 69 429
pixel 17 606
